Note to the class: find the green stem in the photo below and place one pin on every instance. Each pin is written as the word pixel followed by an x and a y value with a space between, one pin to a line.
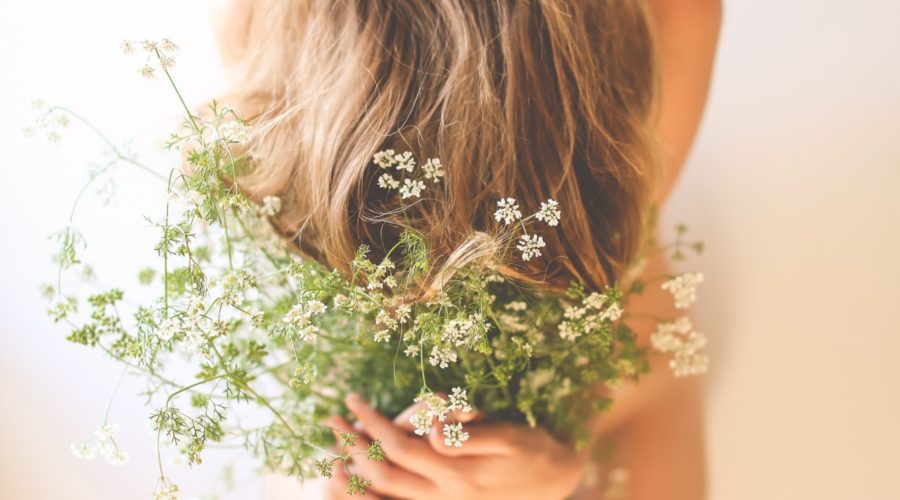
pixel 278 415
pixel 116 151
pixel 180 98
pixel 166 250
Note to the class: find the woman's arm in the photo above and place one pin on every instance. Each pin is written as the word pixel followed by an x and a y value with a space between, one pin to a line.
pixel 686 33
pixel 656 426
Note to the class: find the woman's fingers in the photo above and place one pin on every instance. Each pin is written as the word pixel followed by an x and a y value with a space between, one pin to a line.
pixel 386 478
pixel 484 439
pixel 402 449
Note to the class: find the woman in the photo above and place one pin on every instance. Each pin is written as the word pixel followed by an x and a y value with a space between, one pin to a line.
pixel 593 103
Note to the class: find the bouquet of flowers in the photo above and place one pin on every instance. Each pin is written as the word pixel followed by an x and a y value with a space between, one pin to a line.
pixel 257 324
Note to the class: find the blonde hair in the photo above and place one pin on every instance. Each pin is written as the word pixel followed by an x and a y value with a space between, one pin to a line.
pixel 530 99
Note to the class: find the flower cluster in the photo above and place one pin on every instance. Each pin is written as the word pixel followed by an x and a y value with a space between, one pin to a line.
pixel 684 343
pixel 683 288
pixel 104 441
pixel 259 325
pixel 49 122
pixel 508 211
pixel 299 318
pixel 595 312
pixel 411 181
pixel 158 54
pixel 529 245
pixel 434 407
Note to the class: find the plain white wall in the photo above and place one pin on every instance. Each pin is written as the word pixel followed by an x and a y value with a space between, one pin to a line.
pixel 793 184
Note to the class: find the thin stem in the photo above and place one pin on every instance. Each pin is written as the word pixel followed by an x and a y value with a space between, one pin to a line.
pixel 113 395
pixel 278 415
pixel 116 151
pixel 166 249
pixel 180 98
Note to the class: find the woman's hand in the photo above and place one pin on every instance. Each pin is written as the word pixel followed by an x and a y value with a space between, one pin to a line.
pixel 497 461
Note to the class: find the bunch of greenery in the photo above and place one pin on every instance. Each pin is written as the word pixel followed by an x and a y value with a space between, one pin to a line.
pixel 256 324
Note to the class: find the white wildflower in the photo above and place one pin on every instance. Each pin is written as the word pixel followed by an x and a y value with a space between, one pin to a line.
pixel 117 457
pixel 190 198
pixel 403 313
pixel 196 309
pixel 387 181
pixel 382 336
pixel 494 278
pixel 454 435
pixel 683 288
pixel 167 45
pixel 666 337
pixel 127 46
pixel 613 312
pixel 516 305
pixel 457 331
pixel 302 311
pixel 234 132
pixel 384 159
pixel 421 422
pixel 459 401
pixel 530 246
pixel 106 431
pixel 315 307
pixel 411 350
pixel 166 62
pixel 106 443
pixel 308 332
pixel 166 491
pixel 508 211
pixel 296 315
pixel 411 188
pixel 433 169
pixel 405 161
pixel 270 207
pixel 168 329
pixel 689 365
pixel 436 406
pixel 384 318
pixel 442 356
pixel 147 71
pixel 194 340
pixel 83 451
pixel 568 332
pixel 574 312
pixel 595 300
pixel 549 213
pixel 256 317
pixel 679 338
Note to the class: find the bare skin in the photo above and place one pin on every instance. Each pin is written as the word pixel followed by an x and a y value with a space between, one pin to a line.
pixel 656 426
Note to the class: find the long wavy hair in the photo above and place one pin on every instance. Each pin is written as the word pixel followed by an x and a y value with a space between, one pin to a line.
pixel 530 99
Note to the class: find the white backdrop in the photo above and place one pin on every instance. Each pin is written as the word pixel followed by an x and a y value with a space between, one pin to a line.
pixel 794 184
